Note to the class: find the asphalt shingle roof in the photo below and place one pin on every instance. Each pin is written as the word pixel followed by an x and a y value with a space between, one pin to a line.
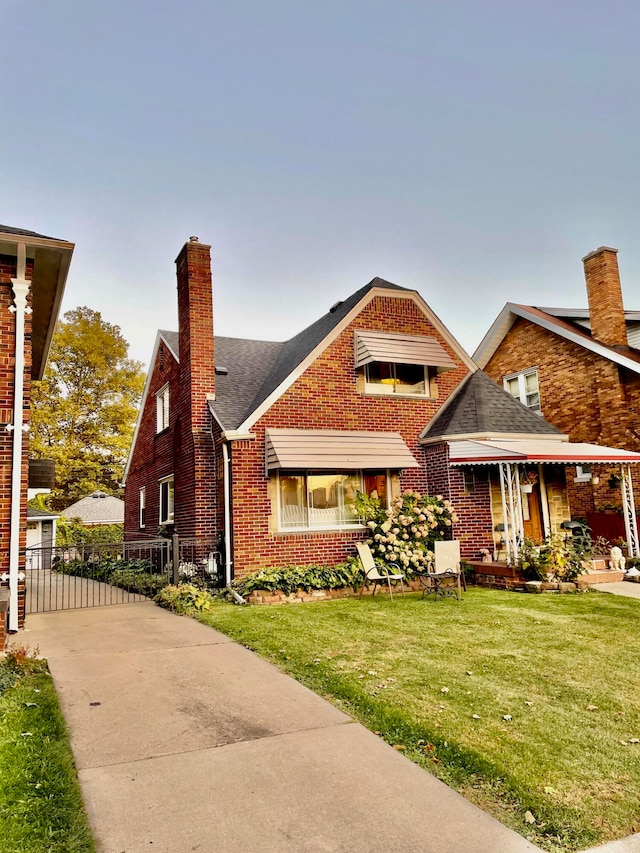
pixel 482 406
pixel 97 508
pixel 21 232
pixel 257 368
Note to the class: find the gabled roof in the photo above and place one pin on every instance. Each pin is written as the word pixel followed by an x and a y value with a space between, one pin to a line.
pixel 480 407
pixel 250 374
pixel 97 508
pixel 567 323
pixel 21 232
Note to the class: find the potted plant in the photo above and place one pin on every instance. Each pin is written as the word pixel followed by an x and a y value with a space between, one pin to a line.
pixel 528 481
pixel 615 479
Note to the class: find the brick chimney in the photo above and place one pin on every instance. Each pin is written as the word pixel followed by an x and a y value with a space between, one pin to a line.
pixel 604 293
pixel 193 446
pixel 195 324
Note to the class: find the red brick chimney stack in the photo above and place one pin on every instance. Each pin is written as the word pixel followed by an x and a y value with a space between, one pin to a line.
pixel 606 309
pixel 195 324
pixel 194 464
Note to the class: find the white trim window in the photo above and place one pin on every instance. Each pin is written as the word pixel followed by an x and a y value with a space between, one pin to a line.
pixel 388 377
pixel 166 502
pixel 524 387
pixel 325 500
pixel 162 408
pixel 142 506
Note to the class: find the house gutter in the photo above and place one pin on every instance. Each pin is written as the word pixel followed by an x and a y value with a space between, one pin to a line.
pixel 20 292
pixel 227 513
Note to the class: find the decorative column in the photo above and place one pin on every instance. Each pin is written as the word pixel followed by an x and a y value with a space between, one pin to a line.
pixel 511 509
pixel 628 505
pixel 21 288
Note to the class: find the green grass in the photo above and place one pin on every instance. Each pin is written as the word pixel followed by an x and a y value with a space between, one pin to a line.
pixel 41 809
pixel 565 668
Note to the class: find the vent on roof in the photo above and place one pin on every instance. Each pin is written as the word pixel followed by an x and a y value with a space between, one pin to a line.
pixel 335 307
pixel 221 371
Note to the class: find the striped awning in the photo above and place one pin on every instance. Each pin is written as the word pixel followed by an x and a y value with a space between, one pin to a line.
pixel 400 349
pixel 335 450
pixel 485 452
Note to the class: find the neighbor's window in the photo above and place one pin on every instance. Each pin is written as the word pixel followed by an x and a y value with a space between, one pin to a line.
pixel 524 387
pixel 142 505
pixel 166 500
pixel 383 377
pixel 316 500
pixel 162 409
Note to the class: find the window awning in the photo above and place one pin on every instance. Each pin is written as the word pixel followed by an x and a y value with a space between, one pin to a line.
pixel 485 452
pixel 335 450
pixel 400 349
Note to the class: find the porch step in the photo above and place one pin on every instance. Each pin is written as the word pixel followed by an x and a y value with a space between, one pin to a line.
pixel 593 578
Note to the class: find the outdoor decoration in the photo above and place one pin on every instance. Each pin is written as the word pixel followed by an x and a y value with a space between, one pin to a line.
pixel 528 481
pixel 617 561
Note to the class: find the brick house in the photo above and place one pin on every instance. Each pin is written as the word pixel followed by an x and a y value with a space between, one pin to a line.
pixel 259 446
pixel 33 272
pixel 580 369
pixel 262 444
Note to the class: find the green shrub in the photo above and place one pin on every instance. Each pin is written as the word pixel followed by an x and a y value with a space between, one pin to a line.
pixel 183 598
pixel 143 583
pixel 291 578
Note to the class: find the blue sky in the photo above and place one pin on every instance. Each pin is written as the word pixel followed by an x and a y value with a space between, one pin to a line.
pixel 474 151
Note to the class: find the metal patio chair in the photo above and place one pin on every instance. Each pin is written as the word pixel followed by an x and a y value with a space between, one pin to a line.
pixel 372 572
pixel 447 577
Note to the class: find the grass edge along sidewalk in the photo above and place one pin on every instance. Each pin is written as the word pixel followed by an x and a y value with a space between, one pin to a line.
pixel 527 705
pixel 41 807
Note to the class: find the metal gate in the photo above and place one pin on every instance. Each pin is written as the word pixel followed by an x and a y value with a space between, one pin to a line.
pixel 82 575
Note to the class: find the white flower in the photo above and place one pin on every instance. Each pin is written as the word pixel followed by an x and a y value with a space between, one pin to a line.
pixel 371 525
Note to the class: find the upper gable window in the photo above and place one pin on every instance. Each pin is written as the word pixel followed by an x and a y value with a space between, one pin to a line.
pixel 388 378
pixel 524 387
pixel 399 364
pixel 162 408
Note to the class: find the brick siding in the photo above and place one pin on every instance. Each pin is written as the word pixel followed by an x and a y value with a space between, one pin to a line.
pixel 584 395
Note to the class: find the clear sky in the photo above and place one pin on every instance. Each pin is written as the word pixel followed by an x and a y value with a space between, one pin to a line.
pixel 474 150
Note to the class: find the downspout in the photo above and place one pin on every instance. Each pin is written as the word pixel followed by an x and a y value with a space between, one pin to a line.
pixel 227 514
pixel 20 308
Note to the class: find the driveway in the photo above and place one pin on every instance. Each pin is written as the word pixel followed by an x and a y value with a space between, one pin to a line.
pixel 186 741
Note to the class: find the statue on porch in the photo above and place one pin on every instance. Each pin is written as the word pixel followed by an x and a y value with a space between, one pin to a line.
pixel 617 561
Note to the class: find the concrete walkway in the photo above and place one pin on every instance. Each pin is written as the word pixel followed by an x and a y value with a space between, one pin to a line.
pixel 186 741
pixel 624 588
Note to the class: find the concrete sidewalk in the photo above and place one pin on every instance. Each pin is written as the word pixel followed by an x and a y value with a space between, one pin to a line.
pixel 186 741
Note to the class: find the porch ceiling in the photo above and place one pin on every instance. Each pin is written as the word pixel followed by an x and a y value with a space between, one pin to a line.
pixel 485 452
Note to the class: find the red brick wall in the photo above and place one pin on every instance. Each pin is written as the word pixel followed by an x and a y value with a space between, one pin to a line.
pixel 8 271
pixel 326 397
pixel 154 453
pixel 472 506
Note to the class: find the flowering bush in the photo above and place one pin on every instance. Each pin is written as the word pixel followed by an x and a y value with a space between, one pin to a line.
pixel 404 533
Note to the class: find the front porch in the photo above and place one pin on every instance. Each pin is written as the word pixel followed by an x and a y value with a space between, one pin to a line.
pixel 531 488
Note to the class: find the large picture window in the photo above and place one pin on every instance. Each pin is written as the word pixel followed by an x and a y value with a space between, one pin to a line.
pixel 382 377
pixel 311 500
pixel 166 500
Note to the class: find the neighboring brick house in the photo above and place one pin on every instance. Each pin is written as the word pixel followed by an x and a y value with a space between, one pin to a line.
pixel 258 446
pixel 33 272
pixel 580 369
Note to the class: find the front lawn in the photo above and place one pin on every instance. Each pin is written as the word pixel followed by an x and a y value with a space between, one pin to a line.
pixel 41 809
pixel 529 705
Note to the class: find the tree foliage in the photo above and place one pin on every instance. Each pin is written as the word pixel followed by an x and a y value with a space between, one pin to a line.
pixel 85 407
